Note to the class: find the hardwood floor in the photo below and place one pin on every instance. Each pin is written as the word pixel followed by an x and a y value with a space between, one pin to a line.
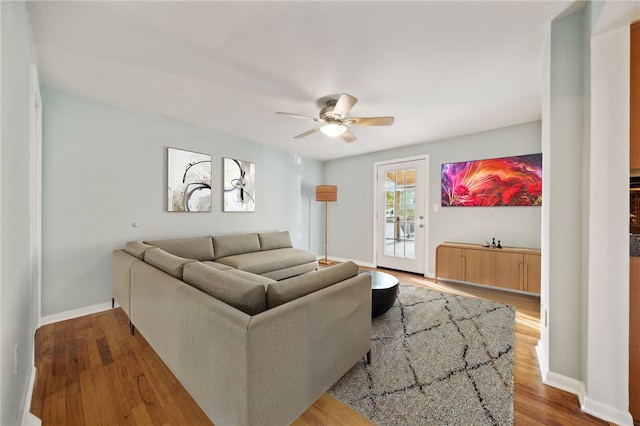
pixel 91 371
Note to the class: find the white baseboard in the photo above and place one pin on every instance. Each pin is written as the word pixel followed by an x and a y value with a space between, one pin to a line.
pixel 31 420
pixel 75 313
pixel 542 362
pixel 368 264
pixel 606 412
pixel 359 262
pixel 28 419
pixel 576 387
pixel 566 384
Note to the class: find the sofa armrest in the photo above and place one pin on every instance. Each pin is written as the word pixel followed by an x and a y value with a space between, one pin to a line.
pixel 121 262
pixel 298 350
pixel 202 340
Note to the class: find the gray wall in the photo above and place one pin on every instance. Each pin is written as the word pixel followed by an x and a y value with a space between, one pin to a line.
pixel 104 168
pixel 351 236
pixel 563 147
pixel 15 267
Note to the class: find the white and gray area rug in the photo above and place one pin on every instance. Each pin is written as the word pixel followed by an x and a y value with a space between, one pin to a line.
pixel 437 359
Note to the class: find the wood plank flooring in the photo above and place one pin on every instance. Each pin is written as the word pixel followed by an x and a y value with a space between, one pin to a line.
pixel 91 371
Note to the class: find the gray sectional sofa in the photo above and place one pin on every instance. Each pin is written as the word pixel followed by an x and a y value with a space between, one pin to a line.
pixel 245 322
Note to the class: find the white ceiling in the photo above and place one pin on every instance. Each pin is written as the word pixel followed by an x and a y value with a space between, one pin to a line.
pixel 441 68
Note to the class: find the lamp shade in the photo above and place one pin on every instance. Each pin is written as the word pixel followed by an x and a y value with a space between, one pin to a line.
pixel 326 193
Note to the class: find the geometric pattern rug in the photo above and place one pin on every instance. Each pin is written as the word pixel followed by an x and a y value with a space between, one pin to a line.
pixel 436 359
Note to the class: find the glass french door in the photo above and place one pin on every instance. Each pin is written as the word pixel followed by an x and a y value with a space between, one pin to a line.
pixel 401 224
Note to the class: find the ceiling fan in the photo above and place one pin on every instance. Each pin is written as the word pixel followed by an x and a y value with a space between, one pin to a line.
pixel 335 121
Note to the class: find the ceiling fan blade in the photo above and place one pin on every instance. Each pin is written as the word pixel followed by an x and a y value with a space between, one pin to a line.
pixel 289 114
pixel 348 137
pixel 307 133
pixel 369 121
pixel 344 104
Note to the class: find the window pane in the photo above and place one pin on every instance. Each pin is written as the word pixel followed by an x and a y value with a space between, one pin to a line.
pixel 400 225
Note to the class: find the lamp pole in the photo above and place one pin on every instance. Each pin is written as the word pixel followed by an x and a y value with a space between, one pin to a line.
pixel 326 230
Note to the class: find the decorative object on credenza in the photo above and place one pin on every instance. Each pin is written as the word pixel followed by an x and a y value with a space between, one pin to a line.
pixel 188 181
pixel 507 181
pixel 239 185
pixel 326 193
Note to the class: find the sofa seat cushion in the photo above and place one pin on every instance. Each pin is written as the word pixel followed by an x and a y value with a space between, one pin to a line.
pixel 166 262
pixel 198 248
pixel 243 294
pixel 285 273
pixel 290 289
pixel 261 262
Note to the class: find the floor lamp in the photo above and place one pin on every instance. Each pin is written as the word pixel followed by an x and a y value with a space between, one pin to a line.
pixel 326 193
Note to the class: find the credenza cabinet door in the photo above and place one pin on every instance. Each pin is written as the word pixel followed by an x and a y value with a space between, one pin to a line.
pixel 477 266
pixel 506 270
pixel 510 268
pixel 531 273
pixel 450 263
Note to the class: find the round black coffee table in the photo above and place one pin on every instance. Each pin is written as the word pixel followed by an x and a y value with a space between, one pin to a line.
pixel 384 290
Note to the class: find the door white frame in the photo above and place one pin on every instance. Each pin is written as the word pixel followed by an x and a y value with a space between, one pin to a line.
pixel 35 123
pixel 35 231
pixel 424 157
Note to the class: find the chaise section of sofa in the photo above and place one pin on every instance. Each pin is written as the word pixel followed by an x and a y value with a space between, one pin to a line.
pixel 271 255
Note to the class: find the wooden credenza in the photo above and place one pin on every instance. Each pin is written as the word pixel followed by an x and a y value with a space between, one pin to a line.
pixel 509 268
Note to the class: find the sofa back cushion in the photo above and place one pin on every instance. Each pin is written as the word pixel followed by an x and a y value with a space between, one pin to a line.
pixel 275 240
pixel 166 262
pixel 284 291
pixel 137 249
pixel 229 245
pixel 198 248
pixel 241 293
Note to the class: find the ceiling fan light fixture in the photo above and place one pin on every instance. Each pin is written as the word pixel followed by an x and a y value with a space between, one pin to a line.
pixel 333 129
pixel 335 120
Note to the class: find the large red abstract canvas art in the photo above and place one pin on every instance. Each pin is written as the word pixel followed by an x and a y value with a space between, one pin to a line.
pixel 507 181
